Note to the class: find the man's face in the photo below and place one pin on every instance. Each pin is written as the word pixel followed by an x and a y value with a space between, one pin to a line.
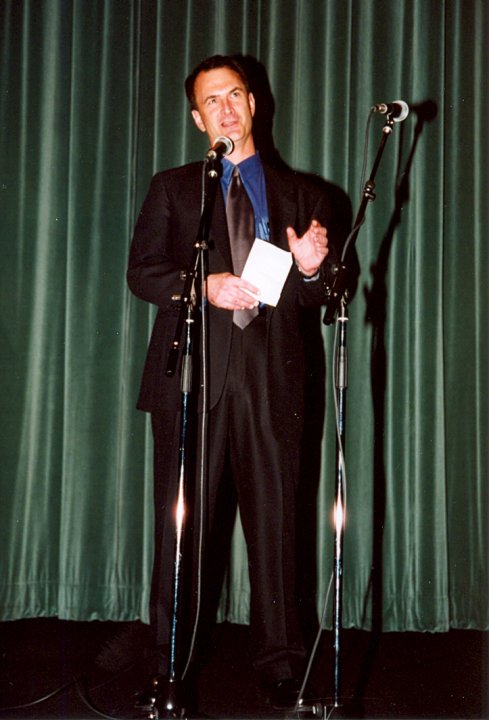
pixel 224 107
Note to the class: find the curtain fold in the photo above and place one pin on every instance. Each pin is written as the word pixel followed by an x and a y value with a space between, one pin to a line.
pixel 91 105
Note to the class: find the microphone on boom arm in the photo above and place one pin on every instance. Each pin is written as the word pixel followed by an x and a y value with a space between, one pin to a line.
pixel 398 110
pixel 221 146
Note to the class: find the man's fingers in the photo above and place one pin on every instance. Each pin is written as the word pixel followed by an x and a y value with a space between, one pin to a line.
pixel 291 234
pixel 231 292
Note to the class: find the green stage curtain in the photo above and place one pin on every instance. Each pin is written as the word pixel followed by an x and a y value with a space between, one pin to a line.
pixel 91 105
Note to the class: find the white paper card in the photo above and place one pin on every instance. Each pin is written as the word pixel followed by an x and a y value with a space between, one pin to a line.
pixel 267 267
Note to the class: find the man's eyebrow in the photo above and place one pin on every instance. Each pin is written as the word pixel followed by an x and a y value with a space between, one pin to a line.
pixel 214 95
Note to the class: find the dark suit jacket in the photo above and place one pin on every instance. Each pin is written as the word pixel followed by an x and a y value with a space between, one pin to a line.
pixel 162 247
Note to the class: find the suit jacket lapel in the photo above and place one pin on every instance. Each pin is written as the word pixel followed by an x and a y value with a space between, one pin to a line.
pixel 219 231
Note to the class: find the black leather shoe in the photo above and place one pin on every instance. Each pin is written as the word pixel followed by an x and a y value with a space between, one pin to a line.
pixel 283 694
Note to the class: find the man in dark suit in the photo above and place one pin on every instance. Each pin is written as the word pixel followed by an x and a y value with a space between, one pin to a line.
pixel 255 388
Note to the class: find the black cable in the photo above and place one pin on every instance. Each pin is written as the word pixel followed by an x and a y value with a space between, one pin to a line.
pixel 117 675
pixel 365 152
pixel 203 445
pixel 33 703
pixel 83 695
pixel 73 682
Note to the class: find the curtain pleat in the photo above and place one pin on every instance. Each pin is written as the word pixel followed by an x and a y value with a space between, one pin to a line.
pixel 91 105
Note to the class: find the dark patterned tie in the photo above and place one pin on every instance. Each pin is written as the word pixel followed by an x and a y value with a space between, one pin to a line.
pixel 241 228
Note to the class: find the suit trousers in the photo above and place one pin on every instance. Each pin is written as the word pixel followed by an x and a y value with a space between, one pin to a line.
pixel 249 458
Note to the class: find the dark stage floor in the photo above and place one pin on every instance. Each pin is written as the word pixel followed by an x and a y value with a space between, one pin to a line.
pixel 407 675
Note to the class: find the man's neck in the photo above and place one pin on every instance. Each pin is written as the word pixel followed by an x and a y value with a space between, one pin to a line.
pixel 239 154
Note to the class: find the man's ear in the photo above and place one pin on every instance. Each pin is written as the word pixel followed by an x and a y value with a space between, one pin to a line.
pixel 251 100
pixel 198 120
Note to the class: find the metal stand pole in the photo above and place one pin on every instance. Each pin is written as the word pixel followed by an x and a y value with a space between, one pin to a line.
pixel 337 306
pixel 170 702
pixel 341 381
pixel 168 693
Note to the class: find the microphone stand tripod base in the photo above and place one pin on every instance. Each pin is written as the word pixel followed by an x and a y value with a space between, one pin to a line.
pixel 166 699
pixel 306 709
pixel 326 709
pixel 347 708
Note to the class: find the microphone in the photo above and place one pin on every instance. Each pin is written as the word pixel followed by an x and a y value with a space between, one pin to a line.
pixel 398 110
pixel 222 146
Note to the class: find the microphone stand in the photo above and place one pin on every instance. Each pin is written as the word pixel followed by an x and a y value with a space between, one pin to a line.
pixel 337 305
pixel 168 699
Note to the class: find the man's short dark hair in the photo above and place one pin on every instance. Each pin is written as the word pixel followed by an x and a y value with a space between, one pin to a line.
pixel 213 63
